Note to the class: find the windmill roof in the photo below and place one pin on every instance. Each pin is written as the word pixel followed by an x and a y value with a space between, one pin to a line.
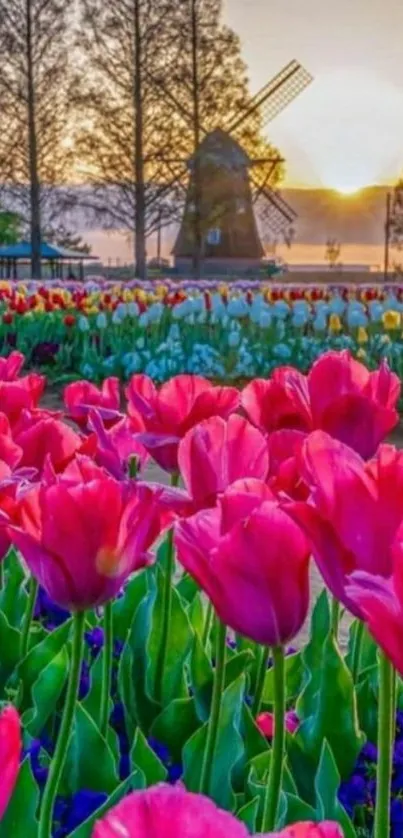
pixel 223 149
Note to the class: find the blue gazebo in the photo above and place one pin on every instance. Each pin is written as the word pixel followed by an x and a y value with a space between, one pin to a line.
pixel 57 258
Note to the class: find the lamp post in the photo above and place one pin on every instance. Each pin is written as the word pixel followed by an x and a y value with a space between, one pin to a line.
pixel 388 224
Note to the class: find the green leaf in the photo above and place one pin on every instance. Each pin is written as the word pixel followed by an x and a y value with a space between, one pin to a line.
pixel 294 809
pixel 22 807
pixel 10 651
pixel 144 759
pixel 254 741
pixel 248 814
pixel 196 614
pixel 39 657
pixel 369 653
pixel 140 709
pixel 92 702
pixel 294 671
pixel 13 596
pixel 133 783
pixel 327 782
pixel 46 692
pixel 367 702
pixel 90 762
pixel 125 607
pixel 187 588
pixel 179 645
pixel 331 713
pixel 229 749
pixel 175 725
pixel 312 654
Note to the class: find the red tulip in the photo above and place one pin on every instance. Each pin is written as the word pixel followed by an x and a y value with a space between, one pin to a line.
pixel 10 754
pixel 81 396
pixel 355 511
pixel 48 438
pixel 170 412
pixel 11 366
pixel 266 723
pixel 172 812
pixel 83 534
pixel 216 453
pixel 251 560
pixel 339 396
pixel 21 394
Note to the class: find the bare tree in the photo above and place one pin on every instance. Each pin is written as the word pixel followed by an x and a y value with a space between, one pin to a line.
pixel 124 136
pixel 34 114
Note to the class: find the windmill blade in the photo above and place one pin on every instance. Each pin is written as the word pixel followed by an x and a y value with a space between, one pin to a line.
pixel 275 95
pixel 275 211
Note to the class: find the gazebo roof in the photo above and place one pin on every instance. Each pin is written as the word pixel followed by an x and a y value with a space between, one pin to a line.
pixel 22 250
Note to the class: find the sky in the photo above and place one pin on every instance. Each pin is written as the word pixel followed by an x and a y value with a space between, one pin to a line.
pixel 346 130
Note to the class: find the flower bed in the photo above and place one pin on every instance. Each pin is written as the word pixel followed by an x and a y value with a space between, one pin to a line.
pixel 146 630
pixel 231 332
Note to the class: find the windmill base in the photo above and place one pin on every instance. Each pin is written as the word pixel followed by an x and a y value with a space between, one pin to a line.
pixel 219 266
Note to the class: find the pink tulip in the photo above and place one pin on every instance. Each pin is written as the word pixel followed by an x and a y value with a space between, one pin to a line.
pixel 251 560
pixel 339 396
pixel 49 438
pixel 10 754
pixel 284 455
pixel 168 413
pixel 11 366
pixel 355 510
pixel 172 812
pixel 216 453
pixel 115 446
pixel 380 604
pixel 266 724
pixel 19 395
pixel 83 534
pixel 81 396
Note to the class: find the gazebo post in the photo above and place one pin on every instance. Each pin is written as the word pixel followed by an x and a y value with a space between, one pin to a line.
pixel 15 273
pixel 82 270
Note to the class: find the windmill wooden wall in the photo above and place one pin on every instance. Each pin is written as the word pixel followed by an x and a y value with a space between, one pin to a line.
pixel 227 219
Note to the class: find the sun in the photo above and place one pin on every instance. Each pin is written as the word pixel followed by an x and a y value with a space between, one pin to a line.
pixel 348 189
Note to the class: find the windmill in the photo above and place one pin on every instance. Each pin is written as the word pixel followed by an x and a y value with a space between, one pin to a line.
pixel 219 225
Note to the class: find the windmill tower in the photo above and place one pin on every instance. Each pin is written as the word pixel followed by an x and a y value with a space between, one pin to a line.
pixel 222 194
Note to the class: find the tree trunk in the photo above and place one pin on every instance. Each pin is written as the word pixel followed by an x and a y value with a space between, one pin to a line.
pixel 35 203
pixel 140 209
pixel 197 226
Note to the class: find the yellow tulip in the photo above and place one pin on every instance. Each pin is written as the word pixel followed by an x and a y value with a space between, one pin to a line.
pixel 335 324
pixel 362 336
pixel 391 319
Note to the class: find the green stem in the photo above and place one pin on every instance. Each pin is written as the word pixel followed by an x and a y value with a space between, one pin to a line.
pixel 29 613
pixel 106 669
pixel 385 727
pixel 60 754
pixel 214 721
pixel 277 756
pixel 335 617
pixel 356 655
pixel 1 575
pixel 261 676
pixel 208 621
pixel 166 607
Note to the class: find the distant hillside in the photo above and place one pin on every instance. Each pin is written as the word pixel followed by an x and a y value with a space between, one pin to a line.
pixel 352 219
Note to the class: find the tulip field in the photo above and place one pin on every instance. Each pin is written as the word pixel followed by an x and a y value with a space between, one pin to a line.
pixel 226 332
pixel 153 681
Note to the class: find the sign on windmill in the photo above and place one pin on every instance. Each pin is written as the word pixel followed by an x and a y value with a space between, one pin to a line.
pixel 223 195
